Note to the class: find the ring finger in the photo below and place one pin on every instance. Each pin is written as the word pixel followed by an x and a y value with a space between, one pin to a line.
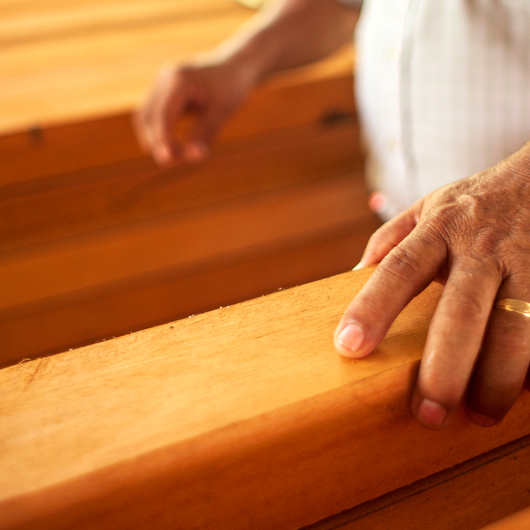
pixel 504 358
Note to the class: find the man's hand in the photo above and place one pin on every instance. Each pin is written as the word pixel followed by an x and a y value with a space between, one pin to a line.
pixel 473 235
pixel 284 34
pixel 211 90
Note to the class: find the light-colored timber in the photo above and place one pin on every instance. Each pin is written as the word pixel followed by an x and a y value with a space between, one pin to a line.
pixel 244 417
pixel 306 100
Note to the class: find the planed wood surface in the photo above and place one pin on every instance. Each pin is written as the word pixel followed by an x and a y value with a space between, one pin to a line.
pixel 68 60
pixel 244 417
pixel 56 206
pixel 63 322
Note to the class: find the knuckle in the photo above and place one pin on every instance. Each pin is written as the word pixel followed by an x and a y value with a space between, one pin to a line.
pixel 467 307
pixel 451 225
pixel 401 264
pixel 489 241
pixel 476 235
pixel 472 304
pixel 182 74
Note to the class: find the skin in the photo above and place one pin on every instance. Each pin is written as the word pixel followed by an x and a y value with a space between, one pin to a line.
pixel 472 235
pixel 286 34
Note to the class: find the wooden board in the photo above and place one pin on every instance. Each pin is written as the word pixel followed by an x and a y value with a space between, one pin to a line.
pixel 67 61
pixel 63 61
pixel 468 496
pixel 241 418
pixel 519 521
pixel 41 152
pixel 95 198
pixel 63 322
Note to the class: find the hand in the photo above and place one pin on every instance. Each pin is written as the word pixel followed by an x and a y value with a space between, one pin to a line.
pixel 473 235
pixel 210 89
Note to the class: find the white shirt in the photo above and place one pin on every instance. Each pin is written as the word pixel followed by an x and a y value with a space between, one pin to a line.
pixel 443 88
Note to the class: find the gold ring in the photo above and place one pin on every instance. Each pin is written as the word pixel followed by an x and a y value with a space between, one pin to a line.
pixel 517 306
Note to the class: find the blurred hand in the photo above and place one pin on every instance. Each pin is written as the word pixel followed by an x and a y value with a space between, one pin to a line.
pixel 473 235
pixel 211 90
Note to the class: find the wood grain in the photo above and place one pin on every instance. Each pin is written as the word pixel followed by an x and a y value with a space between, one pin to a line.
pixel 69 62
pixel 99 197
pixel 284 182
pixel 244 417
pixel 124 251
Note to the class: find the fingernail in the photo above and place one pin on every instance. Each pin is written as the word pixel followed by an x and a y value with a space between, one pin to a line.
pixel 431 414
pixel 359 266
pixel 480 419
pixel 195 152
pixel 351 337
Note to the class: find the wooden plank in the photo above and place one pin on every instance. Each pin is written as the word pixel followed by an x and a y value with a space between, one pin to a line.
pixel 243 418
pixel 118 308
pixel 84 74
pixel 466 497
pixel 34 22
pixel 85 60
pixel 41 152
pixel 88 260
pixel 96 198
pixel 519 521
pixel 228 252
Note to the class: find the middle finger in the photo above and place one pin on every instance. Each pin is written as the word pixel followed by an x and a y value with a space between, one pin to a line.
pixel 453 341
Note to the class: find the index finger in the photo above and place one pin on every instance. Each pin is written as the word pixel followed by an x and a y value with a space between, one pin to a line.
pixel 402 274
pixel 155 121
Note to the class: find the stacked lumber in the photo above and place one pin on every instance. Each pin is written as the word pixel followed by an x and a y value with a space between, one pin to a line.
pixel 95 240
pixel 242 417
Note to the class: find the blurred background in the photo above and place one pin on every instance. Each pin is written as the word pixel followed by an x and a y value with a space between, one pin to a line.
pixel 97 241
